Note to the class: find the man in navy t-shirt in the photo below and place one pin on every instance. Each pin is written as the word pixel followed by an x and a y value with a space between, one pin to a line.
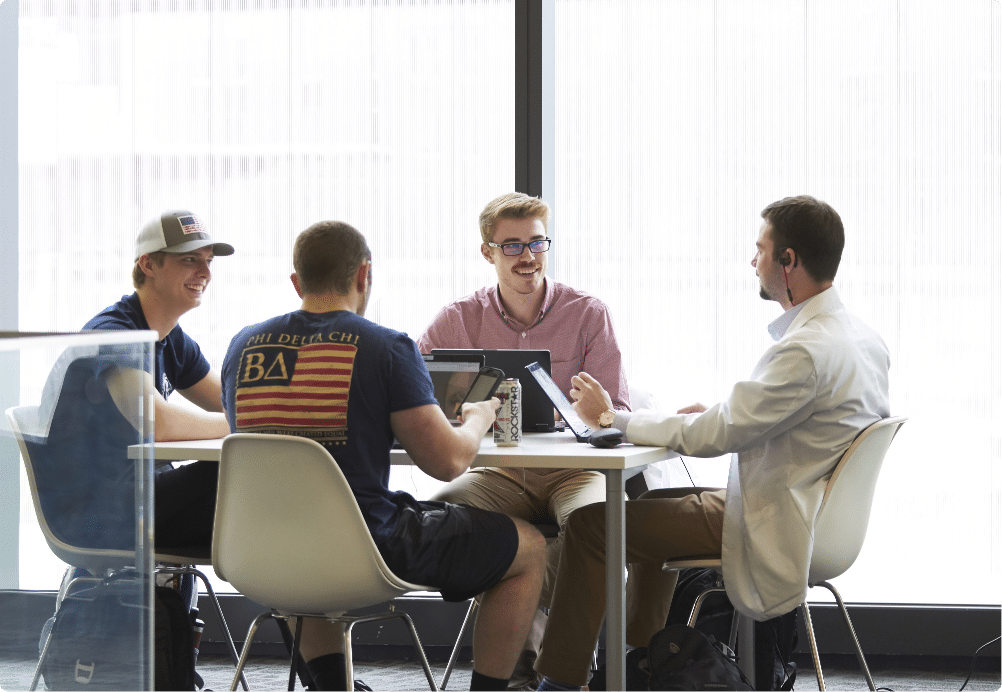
pixel 327 373
pixel 171 274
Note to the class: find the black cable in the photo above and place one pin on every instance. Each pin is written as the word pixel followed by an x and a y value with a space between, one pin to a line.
pixel 686 467
pixel 975 660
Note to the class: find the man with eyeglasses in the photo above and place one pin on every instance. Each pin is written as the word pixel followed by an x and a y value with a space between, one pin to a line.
pixel 526 310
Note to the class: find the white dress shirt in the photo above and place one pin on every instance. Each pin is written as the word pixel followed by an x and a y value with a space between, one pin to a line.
pixel 810 395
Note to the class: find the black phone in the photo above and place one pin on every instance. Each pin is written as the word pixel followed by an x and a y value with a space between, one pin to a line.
pixel 484 385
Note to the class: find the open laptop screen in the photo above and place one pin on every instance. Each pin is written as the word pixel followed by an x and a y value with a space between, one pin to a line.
pixel 560 402
pixel 537 411
pixel 452 376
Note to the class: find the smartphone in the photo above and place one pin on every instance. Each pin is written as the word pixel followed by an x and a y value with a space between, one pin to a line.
pixel 484 385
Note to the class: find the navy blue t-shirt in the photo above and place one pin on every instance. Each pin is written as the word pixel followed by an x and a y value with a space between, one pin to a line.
pixel 179 361
pixel 84 478
pixel 338 377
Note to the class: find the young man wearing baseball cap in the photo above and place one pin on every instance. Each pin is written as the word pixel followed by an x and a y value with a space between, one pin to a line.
pixel 174 252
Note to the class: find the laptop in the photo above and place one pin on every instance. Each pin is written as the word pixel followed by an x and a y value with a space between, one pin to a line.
pixel 451 376
pixel 537 411
pixel 560 402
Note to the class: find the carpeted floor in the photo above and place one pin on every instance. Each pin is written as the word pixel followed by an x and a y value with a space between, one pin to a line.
pixel 841 673
pixel 272 674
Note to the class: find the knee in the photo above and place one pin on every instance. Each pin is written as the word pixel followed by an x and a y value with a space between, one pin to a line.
pixel 585 521
pixel 532 545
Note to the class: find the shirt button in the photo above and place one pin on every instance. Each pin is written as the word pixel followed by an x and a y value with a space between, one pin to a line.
pixel 523 335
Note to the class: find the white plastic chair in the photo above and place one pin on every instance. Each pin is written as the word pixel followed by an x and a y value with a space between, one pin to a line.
pixel 839 529
pixel 289 535
pixel 99 561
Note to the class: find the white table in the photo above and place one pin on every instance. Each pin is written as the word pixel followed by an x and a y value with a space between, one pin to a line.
pixel 538 450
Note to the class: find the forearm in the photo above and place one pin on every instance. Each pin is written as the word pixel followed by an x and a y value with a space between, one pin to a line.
pixel 174 422
pixel 434 445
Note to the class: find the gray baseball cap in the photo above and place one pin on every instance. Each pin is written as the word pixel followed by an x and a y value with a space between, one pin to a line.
pixel 177 231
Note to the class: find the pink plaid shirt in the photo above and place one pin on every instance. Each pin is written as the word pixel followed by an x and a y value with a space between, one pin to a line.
pixel 575 327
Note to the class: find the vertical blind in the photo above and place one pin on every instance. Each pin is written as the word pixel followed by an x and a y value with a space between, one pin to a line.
pixel 677 122
pixel 263 117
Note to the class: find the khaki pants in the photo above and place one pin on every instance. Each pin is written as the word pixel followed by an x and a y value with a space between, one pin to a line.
pixel 537 496
pixel 661 524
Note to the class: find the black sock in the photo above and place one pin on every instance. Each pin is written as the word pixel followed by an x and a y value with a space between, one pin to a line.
pixel 328 672
pixel 484 682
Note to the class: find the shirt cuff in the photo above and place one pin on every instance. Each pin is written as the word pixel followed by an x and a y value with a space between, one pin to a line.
pixel 622 420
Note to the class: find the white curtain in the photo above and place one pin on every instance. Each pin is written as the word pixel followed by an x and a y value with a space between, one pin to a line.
pixel 679 120
pixel 263 118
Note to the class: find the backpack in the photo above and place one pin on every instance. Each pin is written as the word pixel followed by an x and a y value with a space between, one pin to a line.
pixel 93 643
pixel 682 658
pixel 775 639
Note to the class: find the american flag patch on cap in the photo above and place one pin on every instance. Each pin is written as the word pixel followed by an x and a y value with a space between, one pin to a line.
pixel 190 224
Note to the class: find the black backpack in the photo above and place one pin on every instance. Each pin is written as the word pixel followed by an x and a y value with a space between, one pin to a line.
pixel 775 639
pixel 93 643
pixel 682 658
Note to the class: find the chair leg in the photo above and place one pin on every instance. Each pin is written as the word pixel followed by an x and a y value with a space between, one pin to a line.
pixel 222 621
pixel 349 621
pixel 189 569
pixel 809 626
pixel 855 640
pixel 349 661
pixel 419 650
pixel 459 641
pixel 296 639
pixel 41 660
pixel 699 603
pixel 245 652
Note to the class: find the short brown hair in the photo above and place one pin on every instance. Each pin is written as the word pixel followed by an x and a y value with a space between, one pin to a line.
pixel 327 255
pixel 513 205
pixel 812 229
pixel 138 276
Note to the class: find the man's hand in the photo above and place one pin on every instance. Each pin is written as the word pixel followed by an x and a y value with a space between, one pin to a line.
pixel 483 410
pixel 590 399
pixel 692 408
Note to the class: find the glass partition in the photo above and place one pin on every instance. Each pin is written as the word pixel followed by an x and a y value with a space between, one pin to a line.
pixel 76 534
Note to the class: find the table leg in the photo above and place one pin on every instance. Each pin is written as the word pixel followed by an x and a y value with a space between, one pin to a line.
pixel 615 582
pixel 746 647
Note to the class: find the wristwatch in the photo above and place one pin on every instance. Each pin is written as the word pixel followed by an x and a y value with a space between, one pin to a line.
pixel 607 418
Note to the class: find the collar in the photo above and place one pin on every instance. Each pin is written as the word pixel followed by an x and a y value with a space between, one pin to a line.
pixel 137 305
pixel 549 297
pixel 828 299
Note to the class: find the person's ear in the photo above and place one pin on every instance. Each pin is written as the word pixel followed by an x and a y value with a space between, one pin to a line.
pixel 145 263
pixel 485 250
pixel 294 278
pixel 363 277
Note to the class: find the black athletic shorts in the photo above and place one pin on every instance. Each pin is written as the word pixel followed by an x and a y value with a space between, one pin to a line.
pixel 184 501
pixel 460 551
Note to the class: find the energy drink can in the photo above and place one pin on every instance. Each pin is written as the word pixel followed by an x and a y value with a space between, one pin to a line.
pixel 508 425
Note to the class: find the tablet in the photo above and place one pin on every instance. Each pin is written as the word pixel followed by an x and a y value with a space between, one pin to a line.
pixel 451 376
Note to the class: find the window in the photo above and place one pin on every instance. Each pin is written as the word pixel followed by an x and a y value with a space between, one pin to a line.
pixel 263 118
pixel 677 122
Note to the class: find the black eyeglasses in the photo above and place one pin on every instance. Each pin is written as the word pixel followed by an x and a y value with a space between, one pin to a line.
pixel 516 249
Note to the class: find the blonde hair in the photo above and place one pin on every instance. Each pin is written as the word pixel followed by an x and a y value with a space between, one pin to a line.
pixel 513 205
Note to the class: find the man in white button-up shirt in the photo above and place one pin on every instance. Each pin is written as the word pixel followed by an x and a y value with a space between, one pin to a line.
pixel 810 395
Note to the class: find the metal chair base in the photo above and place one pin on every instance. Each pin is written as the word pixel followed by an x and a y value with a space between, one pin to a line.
pixel 808 625
pixel 349 621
